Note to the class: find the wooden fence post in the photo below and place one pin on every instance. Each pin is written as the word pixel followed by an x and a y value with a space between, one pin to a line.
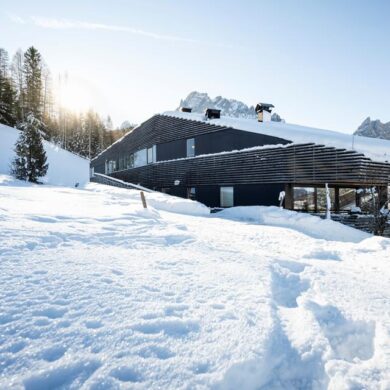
pixel 143 200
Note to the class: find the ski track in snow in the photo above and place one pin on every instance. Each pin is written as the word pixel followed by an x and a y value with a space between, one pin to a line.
pixel 98 293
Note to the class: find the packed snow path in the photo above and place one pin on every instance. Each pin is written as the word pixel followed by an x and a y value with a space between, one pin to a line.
pixel 97 293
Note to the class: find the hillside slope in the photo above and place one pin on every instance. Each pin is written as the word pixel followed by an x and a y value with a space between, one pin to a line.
pixel 65 168
pixel 100 293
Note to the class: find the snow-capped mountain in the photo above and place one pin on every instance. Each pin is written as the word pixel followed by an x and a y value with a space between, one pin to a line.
pixel 199 101
pixel 374 129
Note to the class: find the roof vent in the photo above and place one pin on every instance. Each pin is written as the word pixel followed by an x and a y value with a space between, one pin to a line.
pixel 263 111
pixel 213 113
pixel 185 109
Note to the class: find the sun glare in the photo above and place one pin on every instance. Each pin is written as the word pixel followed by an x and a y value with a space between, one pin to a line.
pixel 74 96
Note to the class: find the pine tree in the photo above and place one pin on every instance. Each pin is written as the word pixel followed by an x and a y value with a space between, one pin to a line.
pixel 7 102
pixel 32 71
pixel 30 161
pixel 7 92
pixel 18 81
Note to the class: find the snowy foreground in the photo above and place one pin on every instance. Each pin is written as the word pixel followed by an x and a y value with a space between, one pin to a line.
pixel 97 293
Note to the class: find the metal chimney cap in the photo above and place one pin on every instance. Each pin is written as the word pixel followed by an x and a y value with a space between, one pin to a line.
pixel 260 107
pixel 212 113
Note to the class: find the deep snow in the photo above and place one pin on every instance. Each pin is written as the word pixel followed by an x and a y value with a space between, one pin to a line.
pixel 97 293
pixel 65 168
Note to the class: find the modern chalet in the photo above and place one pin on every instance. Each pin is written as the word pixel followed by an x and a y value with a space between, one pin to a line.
pixel 223 162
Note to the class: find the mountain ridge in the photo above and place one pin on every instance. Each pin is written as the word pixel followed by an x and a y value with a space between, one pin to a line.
pixel 200 101
pixel 374 129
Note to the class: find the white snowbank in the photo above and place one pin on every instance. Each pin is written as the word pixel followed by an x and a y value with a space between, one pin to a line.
pixel 310 225
pixel 156 200
pixel 65 168
pixel 98 293
pixel 376 149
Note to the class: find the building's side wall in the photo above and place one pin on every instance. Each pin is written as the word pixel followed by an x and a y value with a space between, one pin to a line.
pixel 169 134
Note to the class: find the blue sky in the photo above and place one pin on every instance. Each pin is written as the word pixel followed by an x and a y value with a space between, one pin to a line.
pixel 321 63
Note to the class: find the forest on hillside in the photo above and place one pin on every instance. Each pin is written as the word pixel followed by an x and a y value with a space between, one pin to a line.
pixel 26 86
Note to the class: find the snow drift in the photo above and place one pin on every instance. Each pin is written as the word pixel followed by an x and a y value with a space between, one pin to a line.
pixel 65 168
pixel 305 223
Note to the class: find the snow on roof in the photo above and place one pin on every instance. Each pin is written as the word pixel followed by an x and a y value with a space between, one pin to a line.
pixel 374 148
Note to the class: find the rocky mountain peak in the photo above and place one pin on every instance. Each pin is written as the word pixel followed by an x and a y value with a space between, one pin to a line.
pixel 374 129
pixel 200 101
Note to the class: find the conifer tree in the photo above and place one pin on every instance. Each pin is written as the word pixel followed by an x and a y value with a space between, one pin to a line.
pixel 32 70
pixel 30 161
pixel 7 92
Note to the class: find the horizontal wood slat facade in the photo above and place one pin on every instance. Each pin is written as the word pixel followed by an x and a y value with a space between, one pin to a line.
pixel 308 164
pixel 161 129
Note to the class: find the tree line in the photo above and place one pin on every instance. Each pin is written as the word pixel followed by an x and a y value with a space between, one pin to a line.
pixel 26 88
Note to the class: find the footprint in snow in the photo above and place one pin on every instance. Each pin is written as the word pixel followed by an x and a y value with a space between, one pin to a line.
pixel 348 339
pixel 286 283
pixel 156 351
pixel 50 312
pixel 93 324
pixel 53 353
pixel 126 374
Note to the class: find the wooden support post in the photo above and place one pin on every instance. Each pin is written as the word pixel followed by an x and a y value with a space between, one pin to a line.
pixel 337 199
pixel 143 200
pixel 382 196
pixel 289 197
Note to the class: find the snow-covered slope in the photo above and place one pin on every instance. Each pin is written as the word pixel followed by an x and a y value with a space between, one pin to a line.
pixel 377 149
pixel 97 293
pixel 65 168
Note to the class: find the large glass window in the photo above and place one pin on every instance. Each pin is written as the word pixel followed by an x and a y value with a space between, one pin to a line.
pixel 140 158
pixel 227 196
pixel 190 147
pixel 347 198
pixel 304 198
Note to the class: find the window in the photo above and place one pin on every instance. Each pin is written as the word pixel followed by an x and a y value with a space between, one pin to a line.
pixel 190 147
pixel 110 166
pixel 130 161
pixel 152 154
pixel 347 198
pixel 140 158
pixel 227 196
pixel 304 199
pixel 191 193
pixel 321 199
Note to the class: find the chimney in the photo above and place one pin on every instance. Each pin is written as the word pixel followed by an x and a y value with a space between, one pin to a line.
pixel 212 113
pixel 263 111
pixel 185 109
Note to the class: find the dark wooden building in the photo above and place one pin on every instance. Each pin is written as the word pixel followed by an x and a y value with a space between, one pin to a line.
pixel 225 162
